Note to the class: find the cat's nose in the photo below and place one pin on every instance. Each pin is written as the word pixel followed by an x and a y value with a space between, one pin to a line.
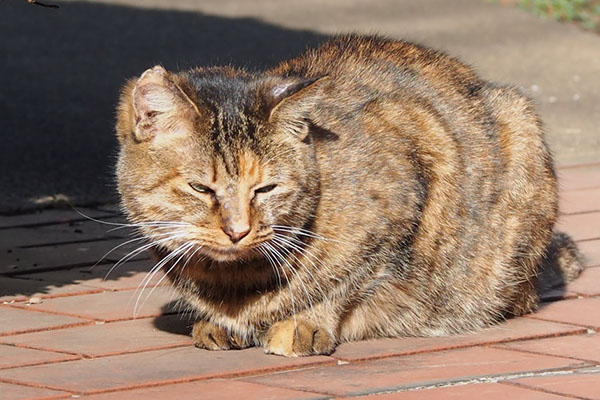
pixel 237 233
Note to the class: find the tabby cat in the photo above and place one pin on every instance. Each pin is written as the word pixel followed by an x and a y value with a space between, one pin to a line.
pixel 368 188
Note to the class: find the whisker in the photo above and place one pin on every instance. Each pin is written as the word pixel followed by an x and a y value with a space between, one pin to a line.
pixel 157 267
pixel 290 290
pixel 124 244
pixel 143 248
pixel 189 246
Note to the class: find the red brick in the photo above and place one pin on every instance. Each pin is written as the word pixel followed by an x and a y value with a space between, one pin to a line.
pixel 580 384
pixel 124 276
pixel 18 357
pixel 513 329
pixel 583 347
pixel 412 371
pixel 591 251
pixel 217 389
pixel 111 338
pixel 579 178
pixel 581 226
pixel 557 294
pixel 52 217
pixel 78 231
pixel 580 201
pixel 15 320
pixel 487 391
pixel 32 260
pixel 581 312
pixel 112 306
pixel 587 283
pixel 154 367
pixel 19 392
pixel 18 289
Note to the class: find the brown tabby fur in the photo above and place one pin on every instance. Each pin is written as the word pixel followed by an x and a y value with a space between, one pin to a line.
pixel 422 199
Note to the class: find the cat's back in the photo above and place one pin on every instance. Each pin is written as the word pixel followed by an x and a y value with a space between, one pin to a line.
pixel 368 65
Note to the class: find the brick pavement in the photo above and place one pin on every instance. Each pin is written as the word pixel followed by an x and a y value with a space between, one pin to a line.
pixel 78 335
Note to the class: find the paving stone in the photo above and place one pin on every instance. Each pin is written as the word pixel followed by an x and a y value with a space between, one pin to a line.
pixel 487 391
pixel 586 284
pixel 111 338
pixel 591 252
pixel 513 329
pixel 216 389
pixel 112 306
pixel 52 217
pixel 75 231
pixel 580 312
pixel 124 276
pixel 19 392
pixel 584 384
pixel 579 178
pixel 155 367
pixel 584 347
pixel 16 289
pixel 557 294
pixel 37 259
pixel 15 320
pixel 579 201
pixel 19 357
pixel 580 226
pixel 412 371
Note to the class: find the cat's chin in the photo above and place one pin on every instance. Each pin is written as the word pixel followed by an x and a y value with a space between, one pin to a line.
pixel 231 254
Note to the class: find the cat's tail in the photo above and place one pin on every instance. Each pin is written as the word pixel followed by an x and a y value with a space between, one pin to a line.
pixel 562 264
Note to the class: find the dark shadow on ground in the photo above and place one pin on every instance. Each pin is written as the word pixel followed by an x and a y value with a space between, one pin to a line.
pixel 61 74
pixel 182 325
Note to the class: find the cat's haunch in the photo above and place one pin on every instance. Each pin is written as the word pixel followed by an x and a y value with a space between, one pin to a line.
pixel 368 188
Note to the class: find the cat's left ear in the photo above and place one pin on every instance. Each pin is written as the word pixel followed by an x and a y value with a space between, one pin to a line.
pixel 290 102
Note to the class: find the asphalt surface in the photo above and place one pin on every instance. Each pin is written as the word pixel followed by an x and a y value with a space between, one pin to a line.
pixel 62 70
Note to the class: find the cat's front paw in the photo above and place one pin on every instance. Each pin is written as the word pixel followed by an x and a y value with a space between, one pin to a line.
pixel 209 336
pixel 299 337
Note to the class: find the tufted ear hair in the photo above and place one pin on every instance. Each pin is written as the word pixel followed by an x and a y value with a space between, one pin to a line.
pixel 290 101
pixel 159 105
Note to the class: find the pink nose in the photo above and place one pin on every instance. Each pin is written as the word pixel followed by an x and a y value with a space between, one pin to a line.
pixel 237 234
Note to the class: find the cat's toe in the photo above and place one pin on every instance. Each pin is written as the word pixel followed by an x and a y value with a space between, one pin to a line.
pixel 294 338
pixel 209 336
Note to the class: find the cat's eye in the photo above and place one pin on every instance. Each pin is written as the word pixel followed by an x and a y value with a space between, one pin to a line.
pixel 201 188
pixel 265 189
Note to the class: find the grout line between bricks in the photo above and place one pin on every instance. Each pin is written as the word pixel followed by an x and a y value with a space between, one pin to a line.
pixel 482 379
pixel 231 375
pixel 39 386
pixel 89 356
pixel 565 214
pixel 35 270
pixel 579 166
pixel 496 346
pixel 542 390
pixel 48 223
pixel 67 242
pixel 589 327
pixel 576 331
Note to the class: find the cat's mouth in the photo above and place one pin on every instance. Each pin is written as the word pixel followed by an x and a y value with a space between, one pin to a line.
pixel 231 253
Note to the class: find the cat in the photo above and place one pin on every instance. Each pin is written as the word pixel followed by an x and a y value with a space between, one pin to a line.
pixel 368 188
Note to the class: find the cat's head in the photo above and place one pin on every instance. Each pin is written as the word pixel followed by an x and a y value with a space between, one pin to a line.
pixel 211 159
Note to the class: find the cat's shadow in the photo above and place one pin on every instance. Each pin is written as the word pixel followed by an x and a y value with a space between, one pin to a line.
pixel 61 75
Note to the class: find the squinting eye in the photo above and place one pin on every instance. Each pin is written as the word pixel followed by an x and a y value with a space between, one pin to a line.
pixel 265 189
pixel 201 188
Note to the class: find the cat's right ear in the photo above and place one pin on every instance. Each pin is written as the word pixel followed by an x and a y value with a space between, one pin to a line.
pixel 154 105
pixel 289 102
